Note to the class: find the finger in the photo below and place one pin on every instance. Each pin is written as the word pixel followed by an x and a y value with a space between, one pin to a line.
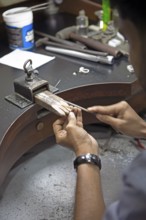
pixel 107 119
pixel 65 109
pixel 107 110
pixel 65 123
pixel 66 106
pixel 71 119
pixel 58 125
pixel 60 105
pixel 58 110
pixel 75 110
pixel 79 118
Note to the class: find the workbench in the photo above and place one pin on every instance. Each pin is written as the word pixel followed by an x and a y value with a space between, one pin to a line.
pixel 22 129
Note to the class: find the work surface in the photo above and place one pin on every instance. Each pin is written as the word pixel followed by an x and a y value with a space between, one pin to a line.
pixel 47 179
pixel 63 69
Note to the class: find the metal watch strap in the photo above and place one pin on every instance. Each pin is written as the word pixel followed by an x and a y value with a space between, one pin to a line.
pixel 87 158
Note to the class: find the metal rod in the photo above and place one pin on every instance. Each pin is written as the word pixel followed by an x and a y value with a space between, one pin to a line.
pixel 77 54
pixel 57 40
pixel 96 45
pixel 49 43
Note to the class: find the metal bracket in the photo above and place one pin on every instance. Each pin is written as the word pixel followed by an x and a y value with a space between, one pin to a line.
pixel 18 100
pixel 27 86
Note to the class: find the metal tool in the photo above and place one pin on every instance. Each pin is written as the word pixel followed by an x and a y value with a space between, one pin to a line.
pixel 81 55
pixel 96 45
pixel 65 32
pixel 78 106
pixel 45 41
pixel 37 7
pixel 60 41
pixel 30 89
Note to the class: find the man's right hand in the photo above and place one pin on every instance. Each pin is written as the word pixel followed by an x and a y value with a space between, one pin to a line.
pixel 122 118
pixel 69 132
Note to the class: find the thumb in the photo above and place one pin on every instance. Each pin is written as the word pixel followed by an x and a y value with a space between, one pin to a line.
pixel 71 119
pixel 107 119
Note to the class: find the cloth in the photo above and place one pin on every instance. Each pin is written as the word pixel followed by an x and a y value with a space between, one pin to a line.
pixel 132 203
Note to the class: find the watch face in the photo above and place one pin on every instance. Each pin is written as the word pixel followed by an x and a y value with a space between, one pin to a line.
pixel 88 157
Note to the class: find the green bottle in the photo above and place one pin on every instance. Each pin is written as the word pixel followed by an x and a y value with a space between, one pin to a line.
pixel 106 16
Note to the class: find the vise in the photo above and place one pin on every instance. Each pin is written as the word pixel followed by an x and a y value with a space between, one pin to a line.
pixel 31 89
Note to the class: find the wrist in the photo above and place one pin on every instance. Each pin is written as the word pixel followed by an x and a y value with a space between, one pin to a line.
pixel 143 132
pixel 85 149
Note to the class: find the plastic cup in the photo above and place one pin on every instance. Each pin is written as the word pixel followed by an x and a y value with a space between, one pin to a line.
pixel 19 28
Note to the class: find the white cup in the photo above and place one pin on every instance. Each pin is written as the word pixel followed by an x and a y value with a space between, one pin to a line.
pixel 19 28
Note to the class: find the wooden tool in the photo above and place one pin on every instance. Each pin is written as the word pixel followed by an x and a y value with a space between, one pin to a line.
pixel 55 104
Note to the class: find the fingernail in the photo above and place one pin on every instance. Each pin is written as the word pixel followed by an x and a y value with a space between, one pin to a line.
pixel 71 113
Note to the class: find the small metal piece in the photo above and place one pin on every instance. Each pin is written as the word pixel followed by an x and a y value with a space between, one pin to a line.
pixel 130 68
pixel 74 73
pixel 83 70
pixel 57 83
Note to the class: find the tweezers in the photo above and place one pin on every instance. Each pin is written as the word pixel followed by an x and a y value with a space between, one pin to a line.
pixel 78 106
pixel 32 8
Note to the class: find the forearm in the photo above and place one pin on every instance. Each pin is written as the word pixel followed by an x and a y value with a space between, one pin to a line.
pixel 89 202
pixel 143 130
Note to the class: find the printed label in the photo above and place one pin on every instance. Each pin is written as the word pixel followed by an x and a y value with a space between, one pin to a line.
pixel 21 38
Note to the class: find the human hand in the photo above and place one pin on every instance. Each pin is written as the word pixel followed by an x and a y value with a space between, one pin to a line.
pixel 69 132
pixel 122 118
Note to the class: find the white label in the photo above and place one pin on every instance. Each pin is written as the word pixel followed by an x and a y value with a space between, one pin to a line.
pixel 29 36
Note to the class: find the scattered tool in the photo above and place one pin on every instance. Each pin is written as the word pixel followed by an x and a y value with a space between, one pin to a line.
pixel 45 41
pixel 96 45
pixel 32 8
pixel 65 32
pixel 69 33
pixel 81 55
pixel 57 40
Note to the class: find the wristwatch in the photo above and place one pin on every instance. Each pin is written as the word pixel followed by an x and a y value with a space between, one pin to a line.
pixel 87 158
